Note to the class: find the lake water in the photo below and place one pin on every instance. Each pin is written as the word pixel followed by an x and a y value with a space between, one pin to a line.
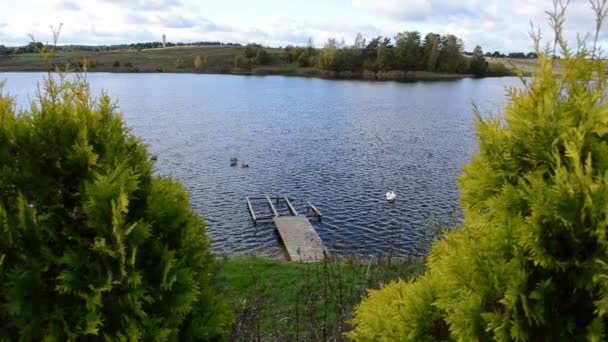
pixel 340 144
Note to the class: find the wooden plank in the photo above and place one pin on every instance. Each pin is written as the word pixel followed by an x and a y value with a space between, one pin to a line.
pixel 300 239
pixel 291 208
pixel 315 210
pixel 274 210
pixel 251 212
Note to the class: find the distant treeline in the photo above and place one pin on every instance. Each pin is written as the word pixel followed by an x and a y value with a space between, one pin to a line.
pixel 37 46
pixel 497 54
pixel 407 51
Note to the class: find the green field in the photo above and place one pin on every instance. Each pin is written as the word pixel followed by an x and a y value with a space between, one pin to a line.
pixel 219 59
pixel 526 66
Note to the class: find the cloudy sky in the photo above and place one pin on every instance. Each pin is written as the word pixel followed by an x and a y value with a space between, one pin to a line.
pixel 494 24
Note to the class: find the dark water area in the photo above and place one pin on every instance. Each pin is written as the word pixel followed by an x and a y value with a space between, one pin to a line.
pixel 340 144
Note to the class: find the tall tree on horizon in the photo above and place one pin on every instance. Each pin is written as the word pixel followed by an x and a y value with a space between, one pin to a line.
pixel 408 49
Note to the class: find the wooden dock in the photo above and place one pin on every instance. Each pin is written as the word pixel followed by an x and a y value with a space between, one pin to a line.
pixel 301 241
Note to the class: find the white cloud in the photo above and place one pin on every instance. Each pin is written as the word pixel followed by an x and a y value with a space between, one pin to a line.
pixel 493 24
pixel 401 9
pixel 67 5
pixel 496 24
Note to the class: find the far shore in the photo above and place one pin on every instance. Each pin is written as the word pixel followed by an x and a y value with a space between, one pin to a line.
pixel 394 75
pixel 217 59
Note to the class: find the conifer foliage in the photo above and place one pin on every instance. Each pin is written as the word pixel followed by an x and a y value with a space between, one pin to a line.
pixel 92 245
pixel 530 262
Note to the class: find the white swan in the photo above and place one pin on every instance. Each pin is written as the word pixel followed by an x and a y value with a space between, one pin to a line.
pixel 391 196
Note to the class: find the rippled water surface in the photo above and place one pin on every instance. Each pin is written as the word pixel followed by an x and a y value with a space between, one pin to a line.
pixel 339 144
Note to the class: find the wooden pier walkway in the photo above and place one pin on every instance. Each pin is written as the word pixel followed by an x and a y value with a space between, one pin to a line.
pixel 301 241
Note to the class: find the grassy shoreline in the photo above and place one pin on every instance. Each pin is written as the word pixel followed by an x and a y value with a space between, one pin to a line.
pixel 217 60
pixel 287 301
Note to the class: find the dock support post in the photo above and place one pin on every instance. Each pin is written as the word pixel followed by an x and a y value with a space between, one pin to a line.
pixel 291 208
pixel 274 210
pixel 315 210
pixel 251 212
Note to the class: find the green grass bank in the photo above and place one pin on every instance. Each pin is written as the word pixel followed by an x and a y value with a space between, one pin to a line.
pixel 285 301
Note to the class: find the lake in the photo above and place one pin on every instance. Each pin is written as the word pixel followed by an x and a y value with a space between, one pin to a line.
pixel 340 144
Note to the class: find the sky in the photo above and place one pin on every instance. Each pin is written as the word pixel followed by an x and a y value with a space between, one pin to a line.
pixel 493 24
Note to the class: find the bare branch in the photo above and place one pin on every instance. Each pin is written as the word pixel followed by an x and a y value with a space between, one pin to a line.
pixel 601 10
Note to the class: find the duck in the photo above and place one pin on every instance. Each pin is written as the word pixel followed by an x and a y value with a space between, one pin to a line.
pixel 245 165
pixel 233 161
pixel 391 196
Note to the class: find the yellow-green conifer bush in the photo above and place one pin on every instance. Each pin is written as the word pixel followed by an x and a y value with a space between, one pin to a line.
pixel 92 245
pixel 530 262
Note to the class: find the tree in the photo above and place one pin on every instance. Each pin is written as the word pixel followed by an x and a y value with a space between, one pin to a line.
pixel 93 246
pixel 530 262
pixel 374 43
pixel 359 41
pixel 4 50
pixel 310 47
pixel 199 63
pixel 251 50
pixel 262 57
pixel 329 58
pixel 431 51
pixel 408 49
pixel 386 59
pixel 386 43
pixel 517 55
pixel 532 55
pixel 450 57
pixel 32 47
pixel 293 53
pixel 242 62
pixel 478 63
pixel 303 59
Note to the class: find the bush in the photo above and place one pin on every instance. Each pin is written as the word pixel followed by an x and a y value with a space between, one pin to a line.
pixel 92 245
pixel 251 50
pixel 304 59
pixel 116 64
pixel 129 64
pixel 497 69
pixel 293 54
pixel 262 57
pixel 530 261
pixel 242 62
pixel 478 64
pixel 199 63
pixel 381 317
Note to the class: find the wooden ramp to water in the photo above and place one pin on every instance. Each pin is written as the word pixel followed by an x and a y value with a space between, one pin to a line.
pixel 300 239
